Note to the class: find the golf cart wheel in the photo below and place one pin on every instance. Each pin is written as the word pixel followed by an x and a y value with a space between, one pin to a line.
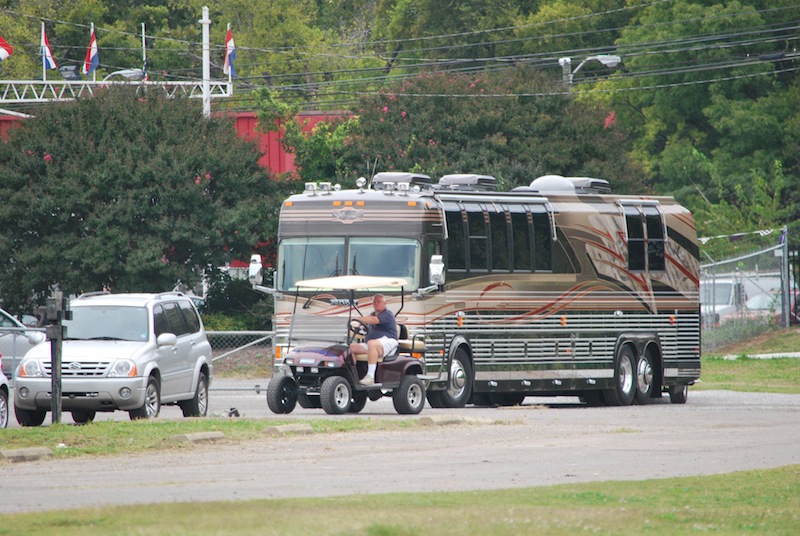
pixel 308 401
pixel 409 398
pixel 358 402
pixel 282 394
pixel 335 395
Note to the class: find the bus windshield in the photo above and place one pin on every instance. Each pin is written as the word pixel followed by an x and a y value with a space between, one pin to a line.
pixel 311 258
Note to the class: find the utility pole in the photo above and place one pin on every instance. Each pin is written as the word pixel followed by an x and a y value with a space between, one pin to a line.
pixel 206 64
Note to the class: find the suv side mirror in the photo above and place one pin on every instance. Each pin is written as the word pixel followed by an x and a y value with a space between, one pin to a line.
pixel 436 270
pixel 167 339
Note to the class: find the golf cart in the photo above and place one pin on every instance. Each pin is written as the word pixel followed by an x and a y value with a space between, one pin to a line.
pixel 320 371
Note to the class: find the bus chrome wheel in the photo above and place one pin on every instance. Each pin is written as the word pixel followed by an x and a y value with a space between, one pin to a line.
pixel 459 384
pixel 624 389
pixel 644 379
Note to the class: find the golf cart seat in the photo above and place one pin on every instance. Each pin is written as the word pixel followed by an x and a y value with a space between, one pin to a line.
pixel 404 344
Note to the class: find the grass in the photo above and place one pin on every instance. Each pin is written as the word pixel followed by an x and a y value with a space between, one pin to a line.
pixel 113 438
pixel 766 501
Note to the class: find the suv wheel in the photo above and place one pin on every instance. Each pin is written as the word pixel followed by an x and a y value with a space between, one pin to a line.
pixel 152 402
pixel 83 417
pixel 29 417
pixel 197 406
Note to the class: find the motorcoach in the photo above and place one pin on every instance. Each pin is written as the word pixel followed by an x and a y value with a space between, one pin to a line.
pixel 556 288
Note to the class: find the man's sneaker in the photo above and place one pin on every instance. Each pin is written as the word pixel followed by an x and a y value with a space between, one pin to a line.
pixel 367 380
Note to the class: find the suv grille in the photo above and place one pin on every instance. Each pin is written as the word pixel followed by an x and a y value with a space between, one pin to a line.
pixel 78 369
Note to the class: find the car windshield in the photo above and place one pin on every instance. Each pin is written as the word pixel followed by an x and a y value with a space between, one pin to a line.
pixel 312 258
pixel 717 293
pixel 104 322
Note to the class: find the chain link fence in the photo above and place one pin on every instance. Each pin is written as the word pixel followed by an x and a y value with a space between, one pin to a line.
pixel 748 292
pixel 242 360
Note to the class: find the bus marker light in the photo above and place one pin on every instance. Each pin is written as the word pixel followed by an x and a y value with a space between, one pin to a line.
pixel 556 382
pixel 412 203
pixel 348 203
pixel 337 203
pixel 460 319
pixel 672 319
pixel 563 320
pixel 289 203
pixel 526 383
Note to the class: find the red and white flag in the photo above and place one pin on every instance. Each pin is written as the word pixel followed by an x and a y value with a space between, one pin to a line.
pixel 5 49
pixel 48 62
pixel 92 57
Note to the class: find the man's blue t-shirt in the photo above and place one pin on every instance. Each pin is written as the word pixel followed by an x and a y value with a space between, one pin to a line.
pixel 386 326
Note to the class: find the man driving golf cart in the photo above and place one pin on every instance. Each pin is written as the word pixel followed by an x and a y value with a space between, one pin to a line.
pixel 323 366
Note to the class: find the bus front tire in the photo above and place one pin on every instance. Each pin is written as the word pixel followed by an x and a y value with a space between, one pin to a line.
pixel 459 383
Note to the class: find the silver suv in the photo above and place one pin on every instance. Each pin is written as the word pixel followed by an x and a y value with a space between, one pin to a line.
pixel 129 352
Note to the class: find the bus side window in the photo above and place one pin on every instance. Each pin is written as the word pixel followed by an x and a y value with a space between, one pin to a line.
pixel 521 241
pixel 542 242
pixel 478 240
pixel 636 242
pixel 499 238
pixel 456 244
pixel 655 239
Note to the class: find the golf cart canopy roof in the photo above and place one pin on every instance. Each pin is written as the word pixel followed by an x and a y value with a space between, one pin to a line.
pixel 352 282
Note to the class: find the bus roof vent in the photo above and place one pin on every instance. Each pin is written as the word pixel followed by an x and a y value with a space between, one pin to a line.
pixel 380 180
pixel 553 184
pixel 468 181
pixel 588 185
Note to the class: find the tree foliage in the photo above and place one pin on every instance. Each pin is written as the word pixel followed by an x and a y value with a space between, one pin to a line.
pixel 126 191
pixel 442 123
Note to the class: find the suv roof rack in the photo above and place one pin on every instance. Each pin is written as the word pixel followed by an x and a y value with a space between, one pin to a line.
pixel 93 293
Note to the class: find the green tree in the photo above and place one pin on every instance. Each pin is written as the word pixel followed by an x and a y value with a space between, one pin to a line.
pixel 128 191
pixel 515 125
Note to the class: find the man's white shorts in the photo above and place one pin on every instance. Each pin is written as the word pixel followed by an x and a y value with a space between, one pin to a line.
pixel 388 344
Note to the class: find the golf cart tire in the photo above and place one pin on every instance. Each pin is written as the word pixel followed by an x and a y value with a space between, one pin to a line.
pixel 335 395
pixel 282 394
pixel 409 397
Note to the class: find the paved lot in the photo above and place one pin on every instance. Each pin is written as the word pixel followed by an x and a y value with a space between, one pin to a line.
pixel 532 445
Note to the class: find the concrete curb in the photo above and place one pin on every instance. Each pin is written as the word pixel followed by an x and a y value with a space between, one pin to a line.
pixel 26 455
pixel 285 429
pixel 199 437
pixel 442 420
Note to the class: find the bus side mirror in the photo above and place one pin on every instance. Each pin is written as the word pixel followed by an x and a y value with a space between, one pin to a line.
pixel 436 270
pixel 255 276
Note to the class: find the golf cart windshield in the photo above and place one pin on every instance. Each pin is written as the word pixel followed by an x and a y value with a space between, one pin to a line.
pixel 307 328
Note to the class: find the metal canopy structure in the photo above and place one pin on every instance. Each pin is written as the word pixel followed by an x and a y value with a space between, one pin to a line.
pixel 39 91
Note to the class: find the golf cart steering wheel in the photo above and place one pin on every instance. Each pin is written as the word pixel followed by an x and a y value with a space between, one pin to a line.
pixel 356 328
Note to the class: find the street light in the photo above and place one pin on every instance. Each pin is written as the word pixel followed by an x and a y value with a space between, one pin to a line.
pixel 608 60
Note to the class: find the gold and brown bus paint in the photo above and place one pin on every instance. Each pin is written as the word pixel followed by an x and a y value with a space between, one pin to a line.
pixel 553 290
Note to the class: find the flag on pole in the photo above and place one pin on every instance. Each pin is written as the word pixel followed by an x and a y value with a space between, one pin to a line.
pixel 230 55
pixel 92 58
pixel 48 62
pixel 5 49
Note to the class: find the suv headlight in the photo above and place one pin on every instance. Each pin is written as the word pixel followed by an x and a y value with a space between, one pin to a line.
pixel 121 368
pixel 31 369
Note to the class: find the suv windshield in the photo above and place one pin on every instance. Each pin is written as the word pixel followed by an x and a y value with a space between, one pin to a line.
pixel 312 258
pixel 106 322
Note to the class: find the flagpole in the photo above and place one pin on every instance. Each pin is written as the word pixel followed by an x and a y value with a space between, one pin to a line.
pixel 94 73
pixel 230 71
pixel 44 59
pixel 206 65
pixel 144 57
